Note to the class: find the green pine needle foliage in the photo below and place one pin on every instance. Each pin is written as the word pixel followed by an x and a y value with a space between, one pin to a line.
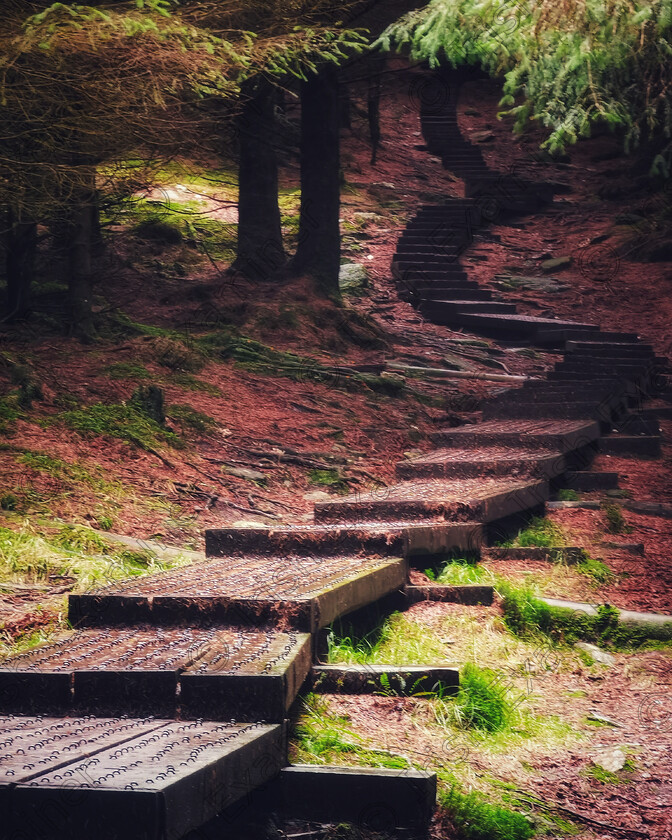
pixel 571 65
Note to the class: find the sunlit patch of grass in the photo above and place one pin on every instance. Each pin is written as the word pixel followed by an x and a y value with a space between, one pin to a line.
pixel 541 533
pixel 461 571
pixel 397 641
pixel 320 737
pixel 75 553
pixel 474 818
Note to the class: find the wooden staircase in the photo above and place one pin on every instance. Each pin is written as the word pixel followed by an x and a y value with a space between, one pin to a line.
pixel 168 701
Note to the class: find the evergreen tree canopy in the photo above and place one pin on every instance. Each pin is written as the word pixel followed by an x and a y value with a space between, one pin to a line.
pixel 577 63
pixel 82 84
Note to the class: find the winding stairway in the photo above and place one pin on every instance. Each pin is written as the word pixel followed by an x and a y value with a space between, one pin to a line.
pixel 168 702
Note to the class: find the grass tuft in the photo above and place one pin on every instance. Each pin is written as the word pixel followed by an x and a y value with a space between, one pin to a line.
pixel 540 533
pixel 481 703
pixel 615 521
pixel 127 370
pixel 395 640
pixel 329 478
pixel 528 616
pixel 192 419
pixel 122 422
pixel 476 819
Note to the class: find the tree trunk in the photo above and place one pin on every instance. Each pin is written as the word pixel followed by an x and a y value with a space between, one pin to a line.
pixel 260 252
pixel 318 254
pixel 20 255
pixel 346 107
pixel 80 232
pixel 373 105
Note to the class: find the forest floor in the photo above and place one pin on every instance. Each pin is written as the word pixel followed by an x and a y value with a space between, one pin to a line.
pixel 263 419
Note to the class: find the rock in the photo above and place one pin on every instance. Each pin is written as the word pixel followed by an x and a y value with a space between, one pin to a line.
pixel 352 277
pixel 556 264
pixel 483 136
pixel 596 653
pixel 396 378
pixel 317 496
pixel 550 285
pixel 611 760
pixel 658 250
pixel 382 190
pixel 248 523
pixel 598 716
pixel 249 475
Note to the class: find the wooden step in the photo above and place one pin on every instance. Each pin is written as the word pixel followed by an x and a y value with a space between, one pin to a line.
pixel 483 462
pixel 298 592
pixel 481 500
pixel 215 673
pixel 557 435
pixel 68 779
pixel 405 539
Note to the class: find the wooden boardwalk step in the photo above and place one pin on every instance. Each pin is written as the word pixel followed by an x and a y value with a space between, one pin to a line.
pixel 298 592
pixel 217 673
pixel 160 779
pixel 483 500
pixel 392 538
pixel 559 435
pixel 484 462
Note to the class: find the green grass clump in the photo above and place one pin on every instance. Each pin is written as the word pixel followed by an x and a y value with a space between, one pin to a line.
pixel 528 616
pixel 191 383
pixel 566 495
pixel 122 422
pixel 481 703
pixel 540 533
pixel 457 571
pixel 191 418
pixel 73 551
pixel 323 738
pixel 9 412
pixel 127 370
pixel 476 819
pixel 329 478
pixel 595 771
pixel 615 521
pixel 394 640
pixel 595 569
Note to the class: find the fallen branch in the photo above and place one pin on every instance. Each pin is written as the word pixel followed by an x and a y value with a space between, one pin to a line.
pixel 590 821
pixel 252 511
pixel 531 799
pixel 285 457
pixel 457 374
